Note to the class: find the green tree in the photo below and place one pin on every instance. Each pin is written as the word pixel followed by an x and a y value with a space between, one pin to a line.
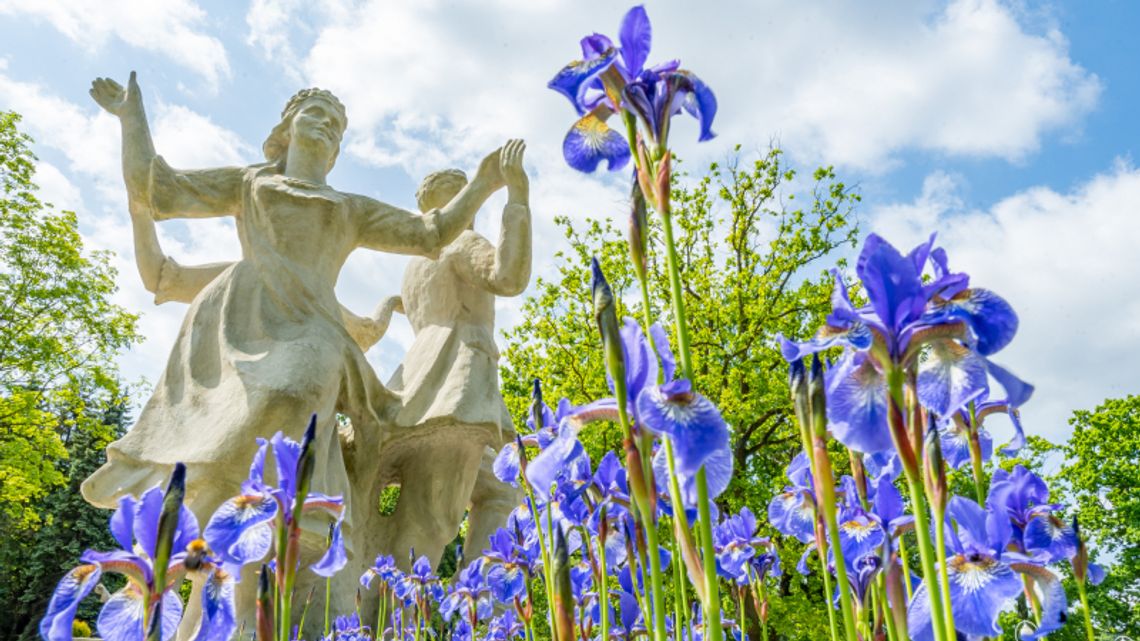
pixel 748 257
pixel 59 332
pixel 59 389
pixel 1102 482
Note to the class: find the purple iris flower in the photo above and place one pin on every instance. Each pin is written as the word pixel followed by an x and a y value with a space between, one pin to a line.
pixel 349 628
pixel 942 328
pixel 420 586
pixel 469 595
pixel 384 569
pixel 514 556
pixel 610 78
pixel 507 462
pixel 242 529
pixel 887 507
pixel 983 578
pixel 735 542
pixel 134 526
pixel 860 534
pixel 586 607
pixel 1037 531
pixel 505 627
pixel 793 512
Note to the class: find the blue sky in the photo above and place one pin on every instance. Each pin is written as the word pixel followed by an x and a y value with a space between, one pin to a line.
pixel 1009 127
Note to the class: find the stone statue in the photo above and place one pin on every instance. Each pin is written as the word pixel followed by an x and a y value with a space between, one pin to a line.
pixel 453 418
pixel 263 346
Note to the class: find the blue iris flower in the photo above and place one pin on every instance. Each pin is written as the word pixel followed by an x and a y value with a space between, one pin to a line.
pixel 469 595
pixel 242 529
pixel 134 526
pixel 735 542
pixel 384 569
pixel 1037 531
pixel 983 577
pixel 610 78
pixel 349 628
pixel 505 627
pixel 940 326
pixel 421 585
pixel 792 512
pixel 513 558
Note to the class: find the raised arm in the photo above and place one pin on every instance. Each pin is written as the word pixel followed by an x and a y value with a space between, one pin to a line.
pixel 386 228
pixel 366 332
pixel 161 274
pixel 168 192
pixel 504 270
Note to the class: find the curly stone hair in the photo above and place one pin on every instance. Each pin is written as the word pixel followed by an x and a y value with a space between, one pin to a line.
pixel 277 144
pixel 431 188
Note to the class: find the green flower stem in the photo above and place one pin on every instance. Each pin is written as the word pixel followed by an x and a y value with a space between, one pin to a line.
pixel 904 558
pixel 713 629
pixel 547 581
pixel 1031 596
pixel 380 608
pixel 740 611
pixel 885 608
pixel 821 551
pixel 944 571
pixel 680 604
pixel 976 462
pixel 918 501
pixel 825 486
pixel 603 587
pixel 1088 611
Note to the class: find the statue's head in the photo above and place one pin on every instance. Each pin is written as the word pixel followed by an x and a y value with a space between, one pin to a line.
pixel 313 117
pixel 438 188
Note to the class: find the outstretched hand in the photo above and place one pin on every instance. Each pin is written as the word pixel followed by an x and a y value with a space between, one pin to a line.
pixel 114 98
pixel 511 166
pixel 489 171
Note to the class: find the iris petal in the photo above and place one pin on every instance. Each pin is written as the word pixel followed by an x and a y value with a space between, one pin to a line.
pixel 506 465
pixel 146 520
pixel 950 376
pixel 700 103
pixel 857 404
pixel 991 319
pixel 1054 606
pixel 892 283
pixel 219 620
pixel 575 78
pixel 334 558
pixel 72 589
pixel 792 514
pixel 693 422
pixel 636 36
pixel 664 351
pixel 239 530
pixel 121 618
pixel 1050 538
pixel 590 141
pixel 123 521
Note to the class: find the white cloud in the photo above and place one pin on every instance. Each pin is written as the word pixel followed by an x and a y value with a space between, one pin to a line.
pixel 1066 262
pixel 173 28
pixel 850 84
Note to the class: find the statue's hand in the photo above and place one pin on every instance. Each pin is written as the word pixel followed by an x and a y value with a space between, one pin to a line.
pixel 511 166
pixel 489 171
pixel 114 98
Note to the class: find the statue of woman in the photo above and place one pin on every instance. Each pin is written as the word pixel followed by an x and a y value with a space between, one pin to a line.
pixel 262 346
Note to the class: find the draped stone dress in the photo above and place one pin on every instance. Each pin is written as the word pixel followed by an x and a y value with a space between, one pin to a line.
pixel 262 346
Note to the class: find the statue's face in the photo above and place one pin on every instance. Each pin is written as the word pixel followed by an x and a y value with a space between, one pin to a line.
pixel 317 124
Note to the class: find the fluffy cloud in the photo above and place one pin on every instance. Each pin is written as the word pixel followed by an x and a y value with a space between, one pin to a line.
pixel 849 84
pixel 172 28
pixel 1067 264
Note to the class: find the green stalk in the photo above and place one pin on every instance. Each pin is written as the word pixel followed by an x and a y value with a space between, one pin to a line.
pixel 944 571
pixel 821 551
pixel 679 605
pixel 380 608
pixel 764 600
pixel 713 630
pixel 918 499
pixel 328 588
pixel 905 560
pixel 885 608
pixel 603 583
pixel 826 487
pixel 1088 611
pixel 740 610
pixel 976 463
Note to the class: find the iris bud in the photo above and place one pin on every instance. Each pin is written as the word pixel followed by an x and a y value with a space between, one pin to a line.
pixel 563 613
pixel 306 465
pixel 605 314
pixel 817 399
pixel 536 405
pixel 638 224
pixel 797 383
pixel 935 469
pixel 1081 558
pixel 264 606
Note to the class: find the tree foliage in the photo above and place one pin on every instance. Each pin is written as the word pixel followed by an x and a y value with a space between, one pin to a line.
pixel 60 398
pixel 748 249
pixel 1102 483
